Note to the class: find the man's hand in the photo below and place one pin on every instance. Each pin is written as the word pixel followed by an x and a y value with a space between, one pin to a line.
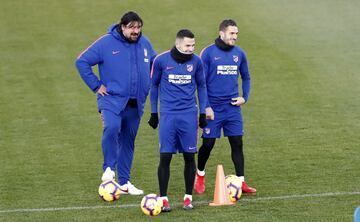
pixel 202 120
pixel 238 101
pixel 154 120
pixel 209 113
pixel 102 91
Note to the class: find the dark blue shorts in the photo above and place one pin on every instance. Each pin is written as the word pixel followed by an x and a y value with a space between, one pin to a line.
pixel 228 118
pixel 178 132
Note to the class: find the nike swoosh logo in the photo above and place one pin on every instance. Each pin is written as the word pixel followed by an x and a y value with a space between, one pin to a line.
pixel 217 58
pixel 115 52
pixel 169 67
pixel 127 190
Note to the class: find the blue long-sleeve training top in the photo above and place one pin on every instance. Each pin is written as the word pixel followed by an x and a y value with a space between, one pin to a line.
pixel 124 69
pixel 222 70
pixel 177 83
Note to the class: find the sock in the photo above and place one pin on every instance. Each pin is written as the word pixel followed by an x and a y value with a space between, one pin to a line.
pixel 188 196
pixel 201 173
pixel 242 178
pixel 164 198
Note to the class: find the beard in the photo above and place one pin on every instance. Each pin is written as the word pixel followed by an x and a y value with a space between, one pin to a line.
pixel 133 37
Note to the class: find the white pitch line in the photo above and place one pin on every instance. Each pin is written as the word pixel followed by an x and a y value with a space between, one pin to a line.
pixel 248 199
pixel 67 208
pixel 302 196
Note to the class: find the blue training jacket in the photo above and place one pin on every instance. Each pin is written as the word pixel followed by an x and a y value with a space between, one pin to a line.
pixel 222 70
pixel 178 84
pixel 124 69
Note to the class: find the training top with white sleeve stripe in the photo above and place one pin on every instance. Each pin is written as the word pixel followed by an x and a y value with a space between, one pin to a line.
pixel 222 67
pixel 124 69
pixel 177 82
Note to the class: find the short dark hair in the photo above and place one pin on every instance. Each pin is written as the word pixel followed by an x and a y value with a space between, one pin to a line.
pixel 129 17
pixel 225 23
pixel 185 33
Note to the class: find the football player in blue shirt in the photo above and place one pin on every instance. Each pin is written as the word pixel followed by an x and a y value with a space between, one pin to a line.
pixel 176 75
pixel 124 57
pixel 224 62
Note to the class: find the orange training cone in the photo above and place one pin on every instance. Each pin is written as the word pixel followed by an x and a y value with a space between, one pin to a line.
pixel 221 196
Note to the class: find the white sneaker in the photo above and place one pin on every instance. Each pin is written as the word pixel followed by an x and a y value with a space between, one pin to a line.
pixel 128 188
pixel 108 174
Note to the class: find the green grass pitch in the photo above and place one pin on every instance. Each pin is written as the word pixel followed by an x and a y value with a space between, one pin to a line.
pixel 302 121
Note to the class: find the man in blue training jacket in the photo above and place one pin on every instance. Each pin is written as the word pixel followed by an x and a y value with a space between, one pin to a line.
pixel 124 58
pixel 176 75
pixel 223 64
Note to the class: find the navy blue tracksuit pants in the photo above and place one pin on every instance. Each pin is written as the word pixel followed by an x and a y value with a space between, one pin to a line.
pixel 118 140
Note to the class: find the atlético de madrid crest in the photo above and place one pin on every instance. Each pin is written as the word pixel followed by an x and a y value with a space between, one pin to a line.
pixel 145 52
pixel 235 58
pixel 189 68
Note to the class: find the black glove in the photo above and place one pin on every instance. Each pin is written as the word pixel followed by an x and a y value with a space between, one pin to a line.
pixel 154 120
pixel 202 120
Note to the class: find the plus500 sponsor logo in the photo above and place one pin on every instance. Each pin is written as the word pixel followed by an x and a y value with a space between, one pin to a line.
pixel 226 70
